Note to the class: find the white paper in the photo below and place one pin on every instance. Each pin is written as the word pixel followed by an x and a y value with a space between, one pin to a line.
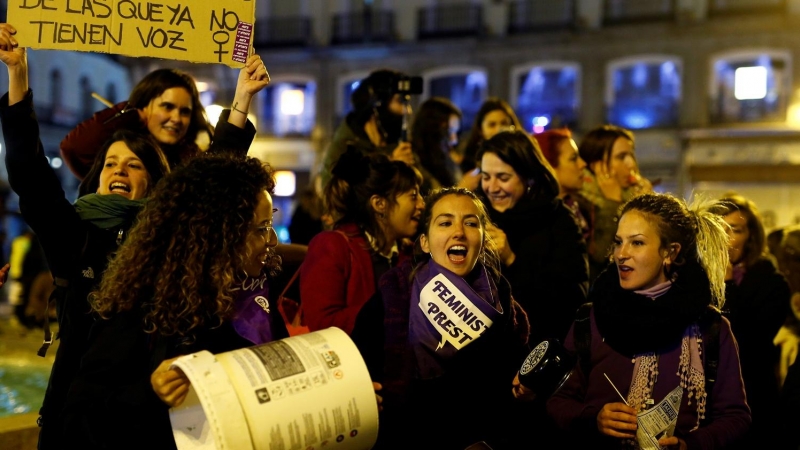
pixel 306 391
pixel 659 421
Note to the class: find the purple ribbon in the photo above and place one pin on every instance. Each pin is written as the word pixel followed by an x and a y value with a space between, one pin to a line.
pixel 447 314
pixel 252 319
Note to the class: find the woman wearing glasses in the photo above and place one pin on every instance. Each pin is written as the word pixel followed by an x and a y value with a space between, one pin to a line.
pixel 173 290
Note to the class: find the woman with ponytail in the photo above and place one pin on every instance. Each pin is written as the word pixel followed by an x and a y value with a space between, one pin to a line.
pixel 654 321
pixel 376 205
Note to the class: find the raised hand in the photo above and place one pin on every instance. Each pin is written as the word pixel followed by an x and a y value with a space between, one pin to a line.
pixel 607 182
pixel 10 53
pixel 507 256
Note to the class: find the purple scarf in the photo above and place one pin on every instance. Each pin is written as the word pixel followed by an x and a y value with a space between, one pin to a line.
pixel 253 310
pixel 447 314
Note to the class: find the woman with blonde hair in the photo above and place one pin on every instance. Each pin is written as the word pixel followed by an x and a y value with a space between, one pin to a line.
pixel 653 326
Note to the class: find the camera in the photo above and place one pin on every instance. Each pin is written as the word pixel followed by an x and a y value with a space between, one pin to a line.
pixel 399 84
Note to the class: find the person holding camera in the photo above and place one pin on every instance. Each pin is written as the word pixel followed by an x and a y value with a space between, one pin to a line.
pixel 376 123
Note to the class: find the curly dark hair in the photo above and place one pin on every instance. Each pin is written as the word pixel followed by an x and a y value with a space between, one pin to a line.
pixel 143 146
pixel 187 250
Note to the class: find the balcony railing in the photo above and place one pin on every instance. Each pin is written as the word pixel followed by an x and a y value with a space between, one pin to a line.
pixel 363 26
pixel 525 16
pixel 723 7
pixel 450 21
pixel 629 11
pixel 276 32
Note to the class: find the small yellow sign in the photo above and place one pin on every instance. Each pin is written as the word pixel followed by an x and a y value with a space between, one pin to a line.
pixel 202 31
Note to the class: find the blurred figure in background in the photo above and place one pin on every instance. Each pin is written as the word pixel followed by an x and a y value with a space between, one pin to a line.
pixel 495 115
pixel 373 126
pixel 308 218
pixel 561 152
pixel 612 178
pixel 757 303
pixel 434 136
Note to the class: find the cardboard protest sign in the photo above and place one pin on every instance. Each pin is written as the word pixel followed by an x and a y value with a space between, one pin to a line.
pixel 203 31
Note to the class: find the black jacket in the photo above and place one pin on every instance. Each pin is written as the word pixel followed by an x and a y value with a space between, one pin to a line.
pixel 550 275
pixel 77 252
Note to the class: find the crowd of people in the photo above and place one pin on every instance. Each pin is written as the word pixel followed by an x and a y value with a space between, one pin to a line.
pixel 667 305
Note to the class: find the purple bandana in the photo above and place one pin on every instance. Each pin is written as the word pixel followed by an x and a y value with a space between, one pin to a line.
pixel 252 317
pixel 447 314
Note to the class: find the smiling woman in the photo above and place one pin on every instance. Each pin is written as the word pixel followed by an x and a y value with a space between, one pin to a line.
pixel 443 327
pixel 539 243
pixel 78 240
pixel 166 105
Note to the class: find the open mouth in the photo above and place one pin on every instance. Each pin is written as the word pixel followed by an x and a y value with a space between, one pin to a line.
pixel 457 254
pixel 119 188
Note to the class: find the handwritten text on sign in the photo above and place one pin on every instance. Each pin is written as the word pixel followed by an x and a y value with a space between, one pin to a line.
pixel 204 31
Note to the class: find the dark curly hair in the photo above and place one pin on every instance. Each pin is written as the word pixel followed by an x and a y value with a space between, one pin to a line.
pixel 143 146
pixel 187 250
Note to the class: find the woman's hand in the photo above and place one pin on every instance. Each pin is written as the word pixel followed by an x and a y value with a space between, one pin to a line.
pixel 607 182
pixel 617 420
pixel 252 79
pixel 171 385
pixel 520 392
pixel 507 256
pixel 672 442
pixel 10 52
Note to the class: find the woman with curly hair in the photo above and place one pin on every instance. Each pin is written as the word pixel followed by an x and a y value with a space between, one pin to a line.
pixel 376 205
pixel 76 239
pixel 173 290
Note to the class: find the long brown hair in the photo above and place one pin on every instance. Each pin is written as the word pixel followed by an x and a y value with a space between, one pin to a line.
pixel 187 251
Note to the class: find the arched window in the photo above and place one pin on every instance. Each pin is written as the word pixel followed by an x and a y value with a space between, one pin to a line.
pixel 289 106
pixel 345 85
pixel 546 95
pixel 466 87
pixel 643 91
pixel 750 86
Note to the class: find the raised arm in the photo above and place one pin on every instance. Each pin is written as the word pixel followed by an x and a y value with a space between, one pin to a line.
pixel 252 79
